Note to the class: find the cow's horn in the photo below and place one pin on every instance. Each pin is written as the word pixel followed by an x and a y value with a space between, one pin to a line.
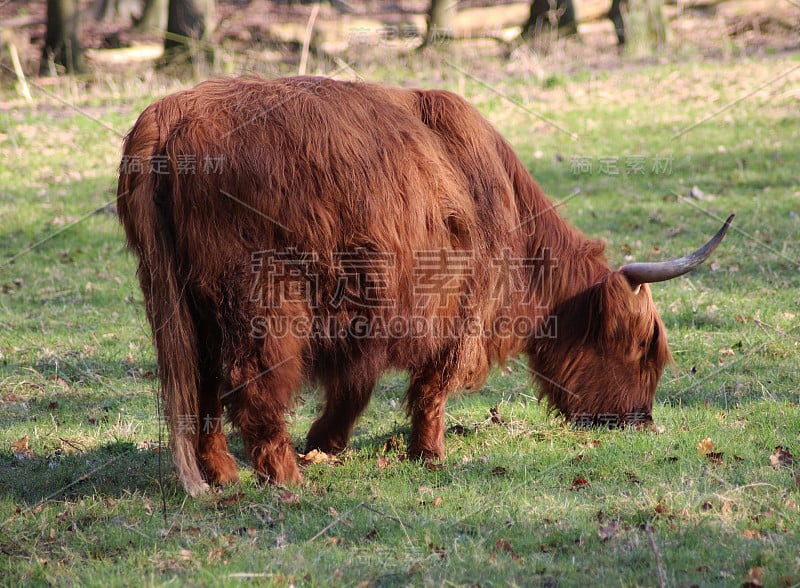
pixel 660 271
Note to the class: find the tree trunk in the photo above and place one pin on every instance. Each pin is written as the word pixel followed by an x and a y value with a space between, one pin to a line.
pixel 61 45
pixel 548 19
pixel 645 27
pixel 441 21
pixel 615 14
pixel 154 17
pixel 104 10
pixel 108 10
pixel 189 27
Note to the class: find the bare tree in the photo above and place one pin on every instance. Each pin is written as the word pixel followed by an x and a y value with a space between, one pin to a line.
pixel 640 25
pixel 441 21
pixel 154 16
pixel 547 16
pixel 106 10
pixel 189 26
pixel 61 44
pixel 615 14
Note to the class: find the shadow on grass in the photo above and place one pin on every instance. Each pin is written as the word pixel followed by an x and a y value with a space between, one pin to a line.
pixel 113 470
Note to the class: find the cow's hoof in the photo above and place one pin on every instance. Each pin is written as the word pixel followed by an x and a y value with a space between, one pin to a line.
pixel 220 469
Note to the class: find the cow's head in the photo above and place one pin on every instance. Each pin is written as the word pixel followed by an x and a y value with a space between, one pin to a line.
pixel 610 348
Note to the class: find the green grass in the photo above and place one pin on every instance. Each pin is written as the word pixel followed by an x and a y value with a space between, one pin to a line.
pixel 523 502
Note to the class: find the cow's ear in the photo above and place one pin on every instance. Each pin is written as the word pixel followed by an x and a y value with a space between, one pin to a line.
pixel 618 302
pixel 634 284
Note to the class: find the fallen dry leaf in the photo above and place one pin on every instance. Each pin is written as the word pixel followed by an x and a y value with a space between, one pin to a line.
pixel 249 531
pixel 20 445
pixel 230 500
pixel 499 471
pixel 393 443
pixel 60 381
pixel 705 446
pixel 752 534
pixel 766 514
pixel 60 221
pixel 503 546
pixel 373 534
pixel 460 430
pixel 632 478
pixel 216 554
pixel 715 457
pixel 608 531
pixel 781 458
pixel 494 415
pixel 316 456
pixel 727 507
pixel 288 497
pixel 20 448
pixel 755 577
pixel 579 483
pixel 383 463
pixel 438 550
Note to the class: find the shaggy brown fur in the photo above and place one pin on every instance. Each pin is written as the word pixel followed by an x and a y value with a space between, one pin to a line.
pixel 315 206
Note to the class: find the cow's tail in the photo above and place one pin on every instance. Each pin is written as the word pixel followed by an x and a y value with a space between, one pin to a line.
pixel 143 205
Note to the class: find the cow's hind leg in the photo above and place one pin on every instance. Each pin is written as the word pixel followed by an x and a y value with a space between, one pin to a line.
pixel 218 464
pixel 260 394
pixel 347 394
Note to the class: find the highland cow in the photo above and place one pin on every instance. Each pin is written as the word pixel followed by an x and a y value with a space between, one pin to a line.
pixel 308 230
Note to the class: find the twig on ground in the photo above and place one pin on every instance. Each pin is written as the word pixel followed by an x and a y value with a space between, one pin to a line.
pixel 389 517
pixel 334 522
pixel 73 445
pixel 662 575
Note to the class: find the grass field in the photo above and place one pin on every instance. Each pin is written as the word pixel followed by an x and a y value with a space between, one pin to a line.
pixel 88 498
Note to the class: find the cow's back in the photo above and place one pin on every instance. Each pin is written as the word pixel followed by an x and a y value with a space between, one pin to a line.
pixel 337 169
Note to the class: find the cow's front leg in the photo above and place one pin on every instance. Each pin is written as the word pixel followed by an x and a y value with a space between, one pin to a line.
pixel 426 403
pixel 347 393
